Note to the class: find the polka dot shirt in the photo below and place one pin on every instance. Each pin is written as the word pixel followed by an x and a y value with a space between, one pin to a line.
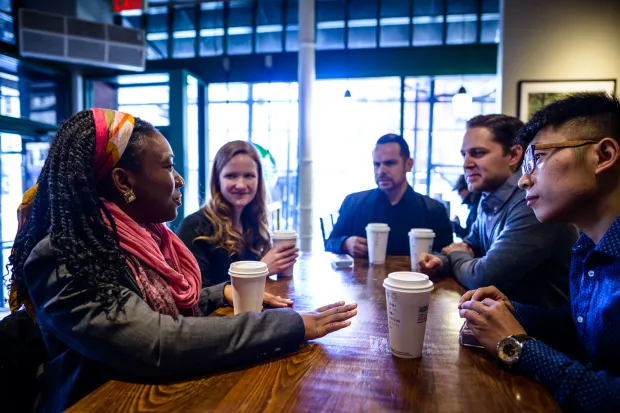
pixel 589 380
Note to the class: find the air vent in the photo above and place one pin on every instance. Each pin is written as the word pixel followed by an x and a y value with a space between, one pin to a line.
pixel 65 39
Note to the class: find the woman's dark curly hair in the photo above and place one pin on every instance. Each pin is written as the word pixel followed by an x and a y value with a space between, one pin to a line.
pixel 68 208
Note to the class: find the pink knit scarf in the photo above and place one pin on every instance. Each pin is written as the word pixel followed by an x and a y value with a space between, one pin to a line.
pixel 171 260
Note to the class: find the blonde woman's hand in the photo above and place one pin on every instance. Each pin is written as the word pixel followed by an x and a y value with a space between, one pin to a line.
pixel 275 301
pixel 280 257
pixel 269 300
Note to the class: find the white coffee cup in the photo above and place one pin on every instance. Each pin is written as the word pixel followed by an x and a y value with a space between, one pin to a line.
pixel 248 285
pixel 420 241
pixel 407 295
pixel 285 237
pixel 377 239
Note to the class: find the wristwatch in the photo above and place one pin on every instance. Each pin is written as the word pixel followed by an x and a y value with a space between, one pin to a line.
pixel 509 349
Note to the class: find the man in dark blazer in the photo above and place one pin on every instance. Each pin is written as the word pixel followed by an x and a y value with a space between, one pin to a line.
pixel 394 202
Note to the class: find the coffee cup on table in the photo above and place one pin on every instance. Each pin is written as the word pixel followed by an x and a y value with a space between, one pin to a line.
pixel 248 285
pixel 420 241
pixel 285 237
pixel 407 296
pixel 377 239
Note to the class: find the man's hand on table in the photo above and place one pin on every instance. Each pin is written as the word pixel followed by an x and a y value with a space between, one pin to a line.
pixel 429 264
pixel 357 247
pixel 489 315
pixel 480 294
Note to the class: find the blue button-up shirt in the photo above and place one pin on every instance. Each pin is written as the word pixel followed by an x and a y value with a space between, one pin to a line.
pixel 577 356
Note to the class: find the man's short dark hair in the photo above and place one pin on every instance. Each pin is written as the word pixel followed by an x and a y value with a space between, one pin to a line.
pixel 393 138
pixel 587 115
pixel 505 129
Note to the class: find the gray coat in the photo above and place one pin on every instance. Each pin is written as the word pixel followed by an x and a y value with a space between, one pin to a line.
pixel 138 344
pixel 525 259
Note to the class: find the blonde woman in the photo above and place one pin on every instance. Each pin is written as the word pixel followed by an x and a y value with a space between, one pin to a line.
pixel 233 226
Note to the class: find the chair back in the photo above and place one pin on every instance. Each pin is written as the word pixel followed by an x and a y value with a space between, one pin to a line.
pixel 327 225
pixel 274 209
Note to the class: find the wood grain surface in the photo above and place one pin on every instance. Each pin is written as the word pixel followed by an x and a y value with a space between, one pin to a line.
pixel 348 371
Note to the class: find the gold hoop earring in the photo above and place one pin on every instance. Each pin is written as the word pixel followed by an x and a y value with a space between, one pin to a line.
pixel 129 196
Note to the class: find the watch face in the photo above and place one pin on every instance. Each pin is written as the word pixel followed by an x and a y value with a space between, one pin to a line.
pixel 508 350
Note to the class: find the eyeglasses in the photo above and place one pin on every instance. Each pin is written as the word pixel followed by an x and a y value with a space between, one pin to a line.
pixel 529 161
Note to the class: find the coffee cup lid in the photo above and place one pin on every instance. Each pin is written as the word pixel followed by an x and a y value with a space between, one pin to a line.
pixel 406 280
pixel 422 233
pixel 378 227
pixel 284 234
pixel 248 269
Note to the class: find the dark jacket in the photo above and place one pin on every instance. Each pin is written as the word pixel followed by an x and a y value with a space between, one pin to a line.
pixel 87 347
pixel 213 260
pixel 412 211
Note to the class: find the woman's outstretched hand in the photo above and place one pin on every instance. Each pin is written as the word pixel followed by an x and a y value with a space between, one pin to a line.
pixel 327 319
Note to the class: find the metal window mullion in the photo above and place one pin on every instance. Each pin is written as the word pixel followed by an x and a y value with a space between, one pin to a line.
pixel 445 22
pixel 402 105
pixel 479 23
pixel 225 22
pixel 170 31
pixel 284 22
pixel 346 25
pixel 429 160
pixel 254 24
pixel 250 109
pixel 411 23
pixel 197 21
pixel 378 32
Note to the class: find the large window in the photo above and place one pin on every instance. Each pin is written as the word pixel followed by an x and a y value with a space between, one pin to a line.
pixel 264 114
pixel 145 96
pixel 271 26
pixel 435 133
pixel 7 34
pixel 345 130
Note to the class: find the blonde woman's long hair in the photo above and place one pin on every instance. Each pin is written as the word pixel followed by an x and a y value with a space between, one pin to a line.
pixel 254 219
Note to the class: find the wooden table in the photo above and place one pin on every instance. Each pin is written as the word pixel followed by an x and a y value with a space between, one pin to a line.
pixel 351 370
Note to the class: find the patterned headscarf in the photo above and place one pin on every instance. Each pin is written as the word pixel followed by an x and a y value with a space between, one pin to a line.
pixel 113 131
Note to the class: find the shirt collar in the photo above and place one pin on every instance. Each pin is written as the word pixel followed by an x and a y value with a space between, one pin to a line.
pixel 491 202
pixel 408 196
pixel 609 244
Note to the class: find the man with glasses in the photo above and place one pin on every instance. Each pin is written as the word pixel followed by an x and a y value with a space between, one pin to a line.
pixel 507 246
pixel 571 173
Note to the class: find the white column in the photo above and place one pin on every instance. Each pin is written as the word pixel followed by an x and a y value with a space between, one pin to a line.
pixel 306 76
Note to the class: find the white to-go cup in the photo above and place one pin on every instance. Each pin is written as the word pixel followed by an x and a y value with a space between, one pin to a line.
pixel 377 239
pixel 407 295
pixel 420 241
pixel 285 237
pixel 248 284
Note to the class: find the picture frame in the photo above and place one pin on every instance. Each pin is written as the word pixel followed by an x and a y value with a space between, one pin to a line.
pixel 533 95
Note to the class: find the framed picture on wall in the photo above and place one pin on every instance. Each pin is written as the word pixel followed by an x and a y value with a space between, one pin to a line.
pixel 533 95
